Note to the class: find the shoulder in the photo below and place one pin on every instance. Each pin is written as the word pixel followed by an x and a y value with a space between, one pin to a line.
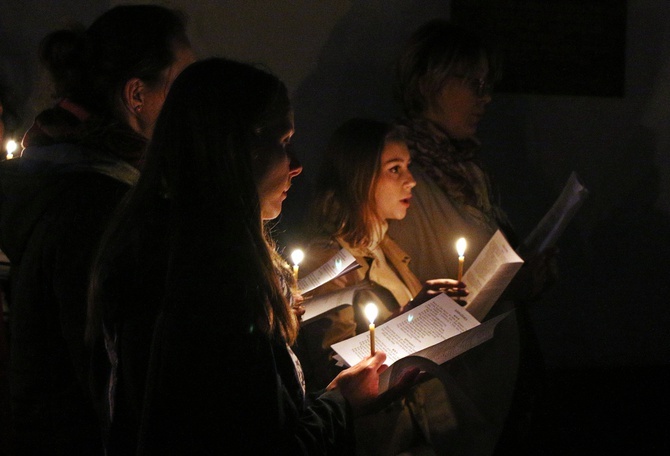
pixel 318 251
pixel 392 249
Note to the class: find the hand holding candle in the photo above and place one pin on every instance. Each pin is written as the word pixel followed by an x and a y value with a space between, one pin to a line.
pixel 460 248
pixel 296 256
pixel 371 313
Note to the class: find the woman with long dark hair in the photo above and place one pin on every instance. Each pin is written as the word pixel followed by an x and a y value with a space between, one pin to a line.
pixel 192 301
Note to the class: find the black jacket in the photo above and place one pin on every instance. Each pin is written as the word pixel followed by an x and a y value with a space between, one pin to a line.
pixel 193 375
pixel 54 203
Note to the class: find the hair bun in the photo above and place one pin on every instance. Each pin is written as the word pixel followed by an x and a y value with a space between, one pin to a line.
pixel 63 53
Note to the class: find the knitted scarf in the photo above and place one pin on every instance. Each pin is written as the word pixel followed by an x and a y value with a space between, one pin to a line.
pixel 455 167
pixel 68 122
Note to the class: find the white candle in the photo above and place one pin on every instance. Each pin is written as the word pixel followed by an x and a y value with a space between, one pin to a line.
pixel 296 256
pixel 460 248
pixel 371 313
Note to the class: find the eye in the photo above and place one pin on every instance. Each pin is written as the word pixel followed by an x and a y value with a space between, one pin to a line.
pixel 395 169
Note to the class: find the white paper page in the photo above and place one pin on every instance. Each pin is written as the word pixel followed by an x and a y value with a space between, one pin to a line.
pixel 552 225
pixel 490 274
pixel 448 349
pixel 341 263
pixel 318 305
pixel 428 324
pixel 442 352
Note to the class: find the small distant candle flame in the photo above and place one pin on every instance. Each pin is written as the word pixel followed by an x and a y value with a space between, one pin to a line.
pixel 11 147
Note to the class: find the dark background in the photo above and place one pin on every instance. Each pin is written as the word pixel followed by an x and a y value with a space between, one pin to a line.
pixel 586 88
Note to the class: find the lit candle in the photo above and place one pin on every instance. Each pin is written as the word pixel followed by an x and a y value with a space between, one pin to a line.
pixel 460 248
pixel 11 147
pixel 371 314
pixel 297 256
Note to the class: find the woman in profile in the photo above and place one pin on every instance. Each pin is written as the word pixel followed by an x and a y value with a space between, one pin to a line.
pixel 192 301
pixel 444 83
pixel 365 182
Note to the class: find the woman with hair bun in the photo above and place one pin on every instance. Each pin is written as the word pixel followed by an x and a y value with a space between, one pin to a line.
pixel 81 156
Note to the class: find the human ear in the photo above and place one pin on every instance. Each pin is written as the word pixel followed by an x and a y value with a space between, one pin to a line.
pixel 133 95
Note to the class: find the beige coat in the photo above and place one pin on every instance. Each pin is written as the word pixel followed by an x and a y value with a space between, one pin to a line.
pixel 313 347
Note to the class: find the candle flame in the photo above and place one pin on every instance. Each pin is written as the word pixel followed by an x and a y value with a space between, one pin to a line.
pixel 10 147
pixel 460 247
pixel 371 312
pixel 297 256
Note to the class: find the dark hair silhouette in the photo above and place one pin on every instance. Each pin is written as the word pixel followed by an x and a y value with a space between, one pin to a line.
pixel 436 50
pixel 204 161
pixel 92 66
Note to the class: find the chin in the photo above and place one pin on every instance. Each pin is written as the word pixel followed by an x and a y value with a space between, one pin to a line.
pixel 270 215
pixel 399 215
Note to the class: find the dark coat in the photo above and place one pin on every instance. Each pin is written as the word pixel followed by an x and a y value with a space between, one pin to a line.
pixel 194 375
pixel 54 203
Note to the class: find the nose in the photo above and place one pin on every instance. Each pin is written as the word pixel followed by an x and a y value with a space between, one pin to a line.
pixel 410 182
pixel 294 166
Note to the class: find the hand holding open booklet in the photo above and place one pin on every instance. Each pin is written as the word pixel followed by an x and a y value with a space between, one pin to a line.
pixel 425 337
pixel 428 324
pixel 486 279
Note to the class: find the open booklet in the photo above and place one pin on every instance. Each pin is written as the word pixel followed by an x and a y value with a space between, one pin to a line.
pixel 552 225
pixel 486 279
pixel 340 263
pixel 317 306
pixel 428 335
pixel 490 273
pixel 432 358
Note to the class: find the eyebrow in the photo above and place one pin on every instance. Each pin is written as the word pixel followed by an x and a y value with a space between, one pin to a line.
pixel 394 160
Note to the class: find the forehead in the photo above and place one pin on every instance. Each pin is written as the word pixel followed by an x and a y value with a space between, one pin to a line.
pixel 395 150
pixel 477 68
pixel 276 125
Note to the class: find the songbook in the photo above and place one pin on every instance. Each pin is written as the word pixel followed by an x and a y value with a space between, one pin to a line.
pixel 317 306
pixel 486 279
pixel 341 263
pixel 430 323
pixel 432 358
pixel 426 337
pixel 490 273
pixel 554 222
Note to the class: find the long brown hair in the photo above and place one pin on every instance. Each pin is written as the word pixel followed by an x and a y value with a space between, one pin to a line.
pixel 344 203
pixel 201 160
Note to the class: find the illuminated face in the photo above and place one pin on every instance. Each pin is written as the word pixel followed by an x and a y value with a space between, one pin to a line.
pixel 394 182
pixel 459 105
pixel 274 184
